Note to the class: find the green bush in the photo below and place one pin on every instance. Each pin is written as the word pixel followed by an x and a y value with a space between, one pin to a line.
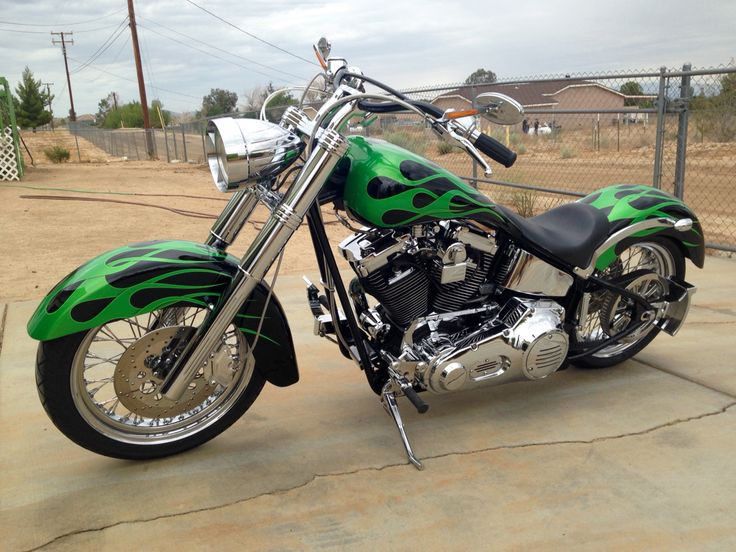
pixel 566 152
pixel 57 154
pixel 521 149
pixel 443 148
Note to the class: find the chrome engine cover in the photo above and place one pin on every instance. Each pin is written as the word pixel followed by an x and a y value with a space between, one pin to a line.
pixel 528 343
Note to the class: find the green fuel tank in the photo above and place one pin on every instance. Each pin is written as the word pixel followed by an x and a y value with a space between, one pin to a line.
pixel 387 186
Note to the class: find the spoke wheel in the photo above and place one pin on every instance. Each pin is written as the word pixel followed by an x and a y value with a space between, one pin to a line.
pixel 609 313
pixel 113 386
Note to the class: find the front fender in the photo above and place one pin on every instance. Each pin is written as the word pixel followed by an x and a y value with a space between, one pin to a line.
pixel 627 204
pixel 143 277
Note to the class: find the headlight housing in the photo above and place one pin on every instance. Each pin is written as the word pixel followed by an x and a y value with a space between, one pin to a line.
pixel 243 151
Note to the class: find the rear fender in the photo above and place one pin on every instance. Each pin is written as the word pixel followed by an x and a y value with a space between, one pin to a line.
pixel 140 278
pixel 626 206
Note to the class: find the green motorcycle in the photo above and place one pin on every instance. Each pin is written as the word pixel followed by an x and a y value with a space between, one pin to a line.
pixel 157 347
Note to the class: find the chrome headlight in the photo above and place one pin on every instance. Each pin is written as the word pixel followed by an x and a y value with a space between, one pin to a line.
pixel 242 151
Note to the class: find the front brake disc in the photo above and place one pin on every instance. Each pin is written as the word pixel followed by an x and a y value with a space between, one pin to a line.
pixel 138 389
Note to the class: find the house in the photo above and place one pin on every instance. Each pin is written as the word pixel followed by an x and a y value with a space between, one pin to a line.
pixel 551 95
pixel 86 118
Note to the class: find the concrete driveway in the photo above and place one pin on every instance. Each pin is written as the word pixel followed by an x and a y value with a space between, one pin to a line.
pixel 639 457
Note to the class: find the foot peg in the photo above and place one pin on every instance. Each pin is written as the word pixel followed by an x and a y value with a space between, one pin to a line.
pixel 388 398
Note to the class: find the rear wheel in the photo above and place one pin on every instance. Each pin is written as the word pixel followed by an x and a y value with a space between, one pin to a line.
pixel 609 313
pixel 101 390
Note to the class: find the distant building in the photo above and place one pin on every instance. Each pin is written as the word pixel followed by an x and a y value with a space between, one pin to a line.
pixel 562 94
pixel 87 119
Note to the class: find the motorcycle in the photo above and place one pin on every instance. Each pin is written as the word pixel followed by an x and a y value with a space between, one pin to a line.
pixel 154 348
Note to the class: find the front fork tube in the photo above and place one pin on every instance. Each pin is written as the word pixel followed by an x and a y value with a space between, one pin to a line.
pixel 261 254
pixel 232 219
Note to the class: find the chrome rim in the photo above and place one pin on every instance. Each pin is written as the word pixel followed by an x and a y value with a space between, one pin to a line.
pixel 608 313
pixel 116 392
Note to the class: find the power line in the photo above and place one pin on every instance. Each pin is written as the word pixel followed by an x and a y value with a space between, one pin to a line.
pixel 147 63
pixel 109 41
pixel 62 24
pixel 249 34
pixel 149 20
pixel 47 32
pixel 205 52
pixel 24 32
pixel 133 80
pixel 96 29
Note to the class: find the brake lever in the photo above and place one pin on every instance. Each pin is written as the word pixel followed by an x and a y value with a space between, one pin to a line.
pixel 453 130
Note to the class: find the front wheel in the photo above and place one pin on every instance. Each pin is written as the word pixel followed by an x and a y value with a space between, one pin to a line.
pixel 100 388
pixel 608 313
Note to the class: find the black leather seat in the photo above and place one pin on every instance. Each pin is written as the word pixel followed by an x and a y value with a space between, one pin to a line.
pixel 571 232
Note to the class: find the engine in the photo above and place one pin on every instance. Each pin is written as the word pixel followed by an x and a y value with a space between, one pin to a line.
pixel 434 286
pixel 437 268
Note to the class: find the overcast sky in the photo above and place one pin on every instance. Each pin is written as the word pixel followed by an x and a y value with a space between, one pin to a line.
pixel 402 42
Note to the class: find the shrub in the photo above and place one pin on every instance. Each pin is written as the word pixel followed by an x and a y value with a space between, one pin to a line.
pixel 57 154
pixel 521 149
pixel 443 148
pixel 566 152
pixel 524 201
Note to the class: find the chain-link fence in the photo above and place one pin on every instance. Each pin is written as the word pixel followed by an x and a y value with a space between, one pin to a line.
pixel 670 128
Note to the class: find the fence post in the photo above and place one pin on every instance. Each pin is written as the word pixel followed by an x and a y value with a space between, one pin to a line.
pixel 682 123
pixel 184 144
pixel 173 136
pixel 166 144
pixel 659 143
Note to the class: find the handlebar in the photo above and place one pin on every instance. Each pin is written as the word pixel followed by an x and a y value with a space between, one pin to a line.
pixel 393 107
pixel 472 141
pixel 491 147
pixel 495 150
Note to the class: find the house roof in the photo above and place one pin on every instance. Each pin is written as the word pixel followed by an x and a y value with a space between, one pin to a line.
pixel 528 94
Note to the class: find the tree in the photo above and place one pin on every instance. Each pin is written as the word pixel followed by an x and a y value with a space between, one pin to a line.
pixel 481 76
pixel 105 105
pixel 253 99
pixel 218 101
pixel 714 115
pixel 31 102
pixel 631 88
pixel 130 115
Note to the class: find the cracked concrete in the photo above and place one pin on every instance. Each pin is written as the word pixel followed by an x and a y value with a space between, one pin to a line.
pixel 634 457
pixel 69 539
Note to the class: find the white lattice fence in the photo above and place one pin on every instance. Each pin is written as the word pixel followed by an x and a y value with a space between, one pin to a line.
pixel 8 161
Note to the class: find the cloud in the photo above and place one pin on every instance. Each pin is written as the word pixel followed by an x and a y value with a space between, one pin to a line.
pixel 405 43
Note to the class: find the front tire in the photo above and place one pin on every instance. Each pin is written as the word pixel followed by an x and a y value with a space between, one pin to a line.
pixel 97 389
pixel 606 314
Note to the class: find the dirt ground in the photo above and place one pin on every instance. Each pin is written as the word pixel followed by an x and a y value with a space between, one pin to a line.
pixel 59 216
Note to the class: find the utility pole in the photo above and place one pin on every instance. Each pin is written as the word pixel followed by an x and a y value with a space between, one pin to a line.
pixel 48 86
pixel 141 84
pixel 64 41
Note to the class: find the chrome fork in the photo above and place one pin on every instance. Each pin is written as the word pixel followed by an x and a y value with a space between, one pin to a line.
pixel 281 225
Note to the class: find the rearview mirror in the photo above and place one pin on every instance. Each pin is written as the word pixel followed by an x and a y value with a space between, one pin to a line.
pixel 499 108
pixel 324 48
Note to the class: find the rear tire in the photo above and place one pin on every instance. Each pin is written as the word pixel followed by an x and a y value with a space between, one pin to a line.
pixel 665 258
pixel 77 406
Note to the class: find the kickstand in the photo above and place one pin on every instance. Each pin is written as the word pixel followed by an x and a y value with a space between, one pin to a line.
pixel 388 399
